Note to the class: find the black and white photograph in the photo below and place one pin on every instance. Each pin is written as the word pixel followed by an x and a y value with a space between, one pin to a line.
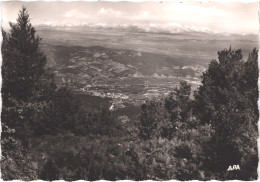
pixel 123 90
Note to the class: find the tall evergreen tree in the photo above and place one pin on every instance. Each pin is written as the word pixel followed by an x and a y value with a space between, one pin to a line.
pixel 218 83
pixel 23 61
pixel 178 102
pixel 227 99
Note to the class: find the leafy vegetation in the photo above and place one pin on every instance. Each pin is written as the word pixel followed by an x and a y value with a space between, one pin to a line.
pixel 49 133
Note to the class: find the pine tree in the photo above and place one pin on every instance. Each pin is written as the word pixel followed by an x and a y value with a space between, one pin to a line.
pixel 23 61
pixel 178 102
pixel 227 99
pixel 218 83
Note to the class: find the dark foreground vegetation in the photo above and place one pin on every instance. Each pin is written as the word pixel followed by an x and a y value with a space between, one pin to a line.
pixel 49 134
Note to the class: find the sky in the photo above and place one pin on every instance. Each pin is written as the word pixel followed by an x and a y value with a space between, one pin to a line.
pixel 239 18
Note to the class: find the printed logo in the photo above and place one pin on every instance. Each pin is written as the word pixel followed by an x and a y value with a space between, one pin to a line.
pixel 234 167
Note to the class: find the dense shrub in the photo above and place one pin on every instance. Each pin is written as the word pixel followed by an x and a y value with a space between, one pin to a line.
pixel 92 159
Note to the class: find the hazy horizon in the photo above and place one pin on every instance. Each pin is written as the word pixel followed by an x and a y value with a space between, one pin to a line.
pixel 237 18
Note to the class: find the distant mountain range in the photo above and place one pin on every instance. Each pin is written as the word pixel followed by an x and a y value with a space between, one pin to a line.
pixel 173 28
